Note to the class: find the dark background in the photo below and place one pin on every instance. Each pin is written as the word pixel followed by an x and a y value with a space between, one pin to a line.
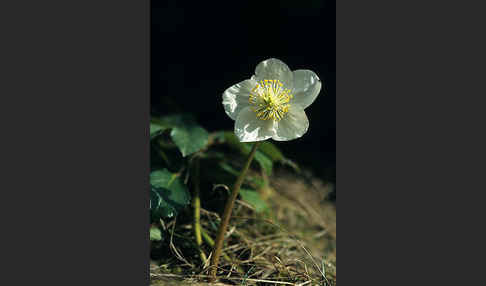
pixel 198 49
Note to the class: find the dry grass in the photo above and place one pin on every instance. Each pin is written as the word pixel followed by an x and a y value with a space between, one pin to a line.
pixel 293 244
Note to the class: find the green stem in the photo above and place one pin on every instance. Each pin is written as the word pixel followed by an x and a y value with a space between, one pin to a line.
pixel 209 240
pixel 196 203
pixel 218 245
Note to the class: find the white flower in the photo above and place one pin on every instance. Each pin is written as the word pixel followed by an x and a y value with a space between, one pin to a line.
pixel 271 104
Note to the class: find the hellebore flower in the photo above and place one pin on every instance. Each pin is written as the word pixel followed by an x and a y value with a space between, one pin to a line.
pixel 271 103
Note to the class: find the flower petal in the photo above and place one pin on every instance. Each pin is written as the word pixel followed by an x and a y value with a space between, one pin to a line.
pixel 249 128
pixel 293 125
pixel 307 86
pixel 274 69
pixel 236 97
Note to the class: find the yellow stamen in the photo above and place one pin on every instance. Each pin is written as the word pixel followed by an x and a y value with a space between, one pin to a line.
pixel 270 99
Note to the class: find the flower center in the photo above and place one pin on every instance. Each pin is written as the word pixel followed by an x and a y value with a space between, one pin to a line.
pixel 270 99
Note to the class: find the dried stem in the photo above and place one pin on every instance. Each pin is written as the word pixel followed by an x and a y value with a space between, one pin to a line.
pixel 218 246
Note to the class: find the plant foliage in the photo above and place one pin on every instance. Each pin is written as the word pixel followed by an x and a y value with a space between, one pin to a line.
pixel 177 140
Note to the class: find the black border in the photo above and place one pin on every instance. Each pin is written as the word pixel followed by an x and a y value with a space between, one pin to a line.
pixel 410 142
pixel 75 205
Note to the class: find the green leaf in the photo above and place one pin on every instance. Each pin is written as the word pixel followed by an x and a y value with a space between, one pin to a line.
pixel 189 139
pixel 264 162
pixel 254 199
pixel 231 139
pixel 156 130
pixel 229 169
pixel 155 234
pixel 245 148
pixel 162 178
pixel 188 136
pixel 256 181
pixel 168 194
pixel 271 151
